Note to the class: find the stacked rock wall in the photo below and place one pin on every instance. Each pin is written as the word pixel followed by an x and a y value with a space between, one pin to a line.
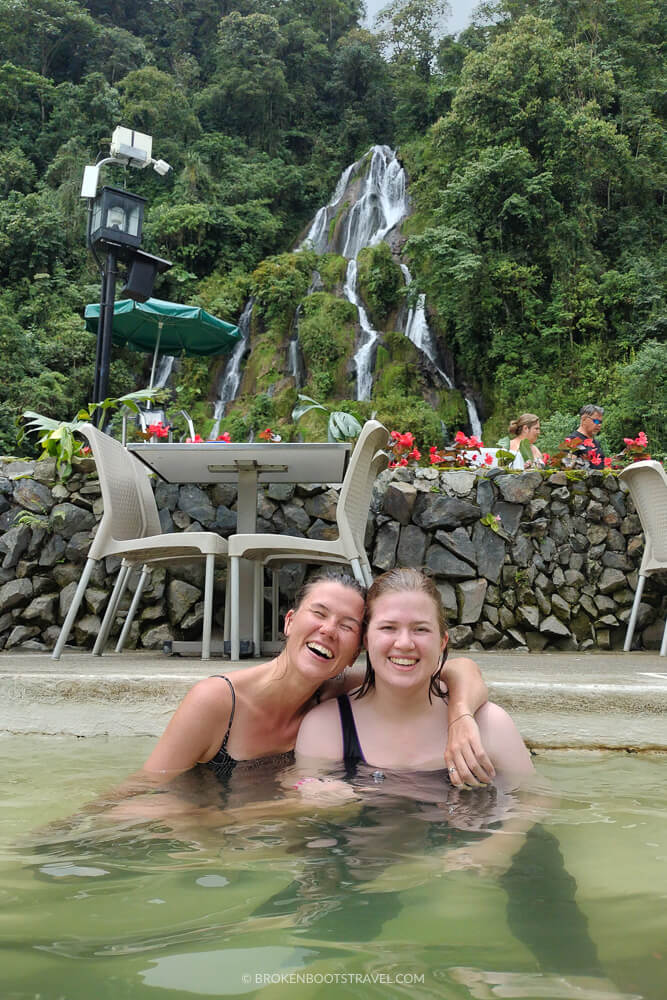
pixel 559 572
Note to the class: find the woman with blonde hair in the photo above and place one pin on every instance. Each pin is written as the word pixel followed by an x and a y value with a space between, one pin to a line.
pixel 522 435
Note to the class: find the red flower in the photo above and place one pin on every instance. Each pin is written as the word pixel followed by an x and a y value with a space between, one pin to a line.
pixel 488 459
pixel 224 437
pixel 415 454
pixel 197 439
pixel 594 458
pixel 474 442
pixel 546 457
pixel 628 441
pixel 460 438
pixel 158 430
pixel 607 463
pixel 265 435
pixel 403 461
pixel 588 442
pixel 642 439
pixel 568 440
pixel 392 465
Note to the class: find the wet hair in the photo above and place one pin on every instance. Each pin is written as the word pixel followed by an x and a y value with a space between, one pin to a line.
pixel 397 581
pixel 334 575
pixel 525 420
pixel 590 409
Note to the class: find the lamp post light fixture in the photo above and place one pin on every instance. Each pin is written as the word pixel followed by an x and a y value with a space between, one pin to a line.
pixel 115 221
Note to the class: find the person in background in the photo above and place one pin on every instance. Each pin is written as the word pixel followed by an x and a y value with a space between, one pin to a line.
pixel 522 435
pixel 590 424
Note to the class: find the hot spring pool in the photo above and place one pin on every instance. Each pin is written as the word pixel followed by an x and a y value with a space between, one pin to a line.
pixel 363 901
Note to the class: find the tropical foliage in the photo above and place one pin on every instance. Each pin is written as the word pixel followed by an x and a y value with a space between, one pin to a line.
pixel 535 151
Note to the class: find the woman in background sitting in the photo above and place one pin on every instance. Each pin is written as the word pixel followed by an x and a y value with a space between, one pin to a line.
pixel 523 433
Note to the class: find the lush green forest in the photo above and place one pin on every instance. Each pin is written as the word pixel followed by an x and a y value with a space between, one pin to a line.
pixel 533 141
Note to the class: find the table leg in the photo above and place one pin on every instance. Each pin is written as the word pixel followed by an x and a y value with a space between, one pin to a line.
pixel 246 524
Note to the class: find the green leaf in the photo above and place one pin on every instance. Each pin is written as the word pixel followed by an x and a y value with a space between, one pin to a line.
pixel 343 426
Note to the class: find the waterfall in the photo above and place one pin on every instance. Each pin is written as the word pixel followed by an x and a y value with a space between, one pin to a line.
pixel 418 331
pixel 376 187
pixel 163 371
pixel 381 203
pixel 364 356
pixel 318 234
pixel 230 381
pixel 473 416
pixel 295 365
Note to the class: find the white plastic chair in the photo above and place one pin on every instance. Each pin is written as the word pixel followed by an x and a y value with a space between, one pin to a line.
pixel 378 464
pixel 647 482
pixel 130 528
pixel 351 518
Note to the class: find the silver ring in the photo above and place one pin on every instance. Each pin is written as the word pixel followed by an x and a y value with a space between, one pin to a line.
pixel 450 769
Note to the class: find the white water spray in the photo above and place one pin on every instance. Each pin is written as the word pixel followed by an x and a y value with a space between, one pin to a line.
pixel 364 356
pixel 230 381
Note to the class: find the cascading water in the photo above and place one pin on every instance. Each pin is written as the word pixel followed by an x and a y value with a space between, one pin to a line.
pixel 363 359
pixel 163 371
pixel 473 417
pixel 230 381
pixel 381 203
pixel 318 234
pixel 380 206
pixel 418 331
pixel 295 365
pixel 376 204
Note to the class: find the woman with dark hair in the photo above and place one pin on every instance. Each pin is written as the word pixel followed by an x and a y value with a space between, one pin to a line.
pixel 400 715
pixel 257 714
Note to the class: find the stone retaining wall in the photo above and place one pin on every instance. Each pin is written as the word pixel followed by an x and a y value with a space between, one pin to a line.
pixel 560 573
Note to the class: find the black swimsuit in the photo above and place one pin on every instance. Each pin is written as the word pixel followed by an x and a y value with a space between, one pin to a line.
pixel 222 762
pixel 352 752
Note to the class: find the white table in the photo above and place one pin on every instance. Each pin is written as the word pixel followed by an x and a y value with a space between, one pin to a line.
pixel 247 465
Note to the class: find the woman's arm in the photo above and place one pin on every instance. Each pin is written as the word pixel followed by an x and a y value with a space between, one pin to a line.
pixel 504 744
pixel 465 751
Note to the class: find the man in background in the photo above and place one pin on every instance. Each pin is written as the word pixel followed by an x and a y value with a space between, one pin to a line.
pixel 590 424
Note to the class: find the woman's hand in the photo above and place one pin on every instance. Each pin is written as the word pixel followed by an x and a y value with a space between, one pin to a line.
pixel 466 759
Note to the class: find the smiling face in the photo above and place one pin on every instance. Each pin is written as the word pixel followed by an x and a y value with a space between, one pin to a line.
pixel 403 638
pixel 324 632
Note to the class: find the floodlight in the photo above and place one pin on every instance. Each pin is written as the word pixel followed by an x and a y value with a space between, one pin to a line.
pixel 161 167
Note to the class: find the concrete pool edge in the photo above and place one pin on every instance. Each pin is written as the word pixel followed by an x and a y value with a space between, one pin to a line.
pixel 609 701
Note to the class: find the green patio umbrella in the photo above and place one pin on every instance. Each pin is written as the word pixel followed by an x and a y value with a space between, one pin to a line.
pixel 166 328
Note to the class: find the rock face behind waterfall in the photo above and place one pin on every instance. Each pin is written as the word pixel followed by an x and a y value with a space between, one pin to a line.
pixel 335 320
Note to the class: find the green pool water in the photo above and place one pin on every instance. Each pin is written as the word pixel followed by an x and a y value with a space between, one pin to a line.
pixel 370 900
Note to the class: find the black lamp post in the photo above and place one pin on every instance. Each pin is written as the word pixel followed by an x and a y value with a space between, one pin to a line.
pixel 116 221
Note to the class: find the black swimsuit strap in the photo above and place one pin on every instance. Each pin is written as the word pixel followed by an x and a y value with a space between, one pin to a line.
pixel 223 745
pixel 352 752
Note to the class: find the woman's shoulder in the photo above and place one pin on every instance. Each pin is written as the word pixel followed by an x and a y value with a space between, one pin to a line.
pixel 209 701
pixel 502 740
pixel 320 731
